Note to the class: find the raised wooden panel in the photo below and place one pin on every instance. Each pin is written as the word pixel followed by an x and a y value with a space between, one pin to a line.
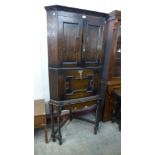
pixel 70 35
pixel 70 40
pixel 92 41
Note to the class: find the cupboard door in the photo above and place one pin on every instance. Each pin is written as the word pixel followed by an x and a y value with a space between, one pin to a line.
pixel 69 41
pixel 92 52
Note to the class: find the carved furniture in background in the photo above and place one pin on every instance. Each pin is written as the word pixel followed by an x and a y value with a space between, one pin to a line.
pixel 112 62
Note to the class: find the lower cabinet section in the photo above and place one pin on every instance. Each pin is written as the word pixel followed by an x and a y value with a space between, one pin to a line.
pixel 75 83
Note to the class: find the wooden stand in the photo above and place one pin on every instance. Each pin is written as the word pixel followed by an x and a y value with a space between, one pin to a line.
pixel 56 111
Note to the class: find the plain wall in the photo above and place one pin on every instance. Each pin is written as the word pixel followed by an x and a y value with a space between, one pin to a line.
pixel 41 88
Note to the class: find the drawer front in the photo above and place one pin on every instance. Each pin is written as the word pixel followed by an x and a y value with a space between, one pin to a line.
pixel 39 120
pixel 80 83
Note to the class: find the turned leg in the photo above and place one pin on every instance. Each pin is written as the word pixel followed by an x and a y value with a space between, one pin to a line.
pixel 59 126
pixel 52 124
pixel 97 116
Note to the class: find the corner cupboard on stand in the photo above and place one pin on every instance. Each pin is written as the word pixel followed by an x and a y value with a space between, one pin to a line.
pixel 75 59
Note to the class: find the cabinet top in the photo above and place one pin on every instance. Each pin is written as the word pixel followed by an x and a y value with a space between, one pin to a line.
pixel 75 10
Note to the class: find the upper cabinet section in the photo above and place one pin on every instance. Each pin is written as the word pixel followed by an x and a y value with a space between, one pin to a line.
pixel 75 37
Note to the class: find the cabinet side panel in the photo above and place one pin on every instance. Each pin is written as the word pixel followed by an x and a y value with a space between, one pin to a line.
pixel 52 37
pixel 53 84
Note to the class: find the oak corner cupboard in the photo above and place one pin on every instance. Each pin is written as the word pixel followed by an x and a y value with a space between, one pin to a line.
pixel 75 59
